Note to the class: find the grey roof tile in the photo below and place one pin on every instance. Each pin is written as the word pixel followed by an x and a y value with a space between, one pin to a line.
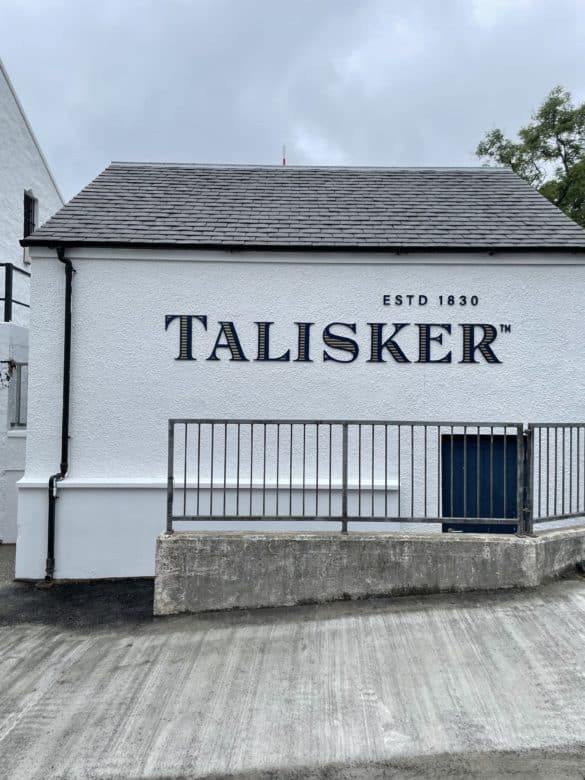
pixel 313 207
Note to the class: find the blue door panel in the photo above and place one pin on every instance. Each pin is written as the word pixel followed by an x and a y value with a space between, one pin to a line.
pixel 479 479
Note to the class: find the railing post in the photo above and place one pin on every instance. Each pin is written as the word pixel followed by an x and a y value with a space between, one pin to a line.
pixel 170 477
pixel 528 481
pixel 520 461
pixel 344 480
pixel 524 478
pixel 8 292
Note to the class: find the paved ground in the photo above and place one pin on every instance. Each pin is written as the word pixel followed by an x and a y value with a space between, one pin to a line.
pixel 91 686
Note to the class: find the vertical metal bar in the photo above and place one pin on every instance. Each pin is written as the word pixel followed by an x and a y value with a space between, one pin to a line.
pixel 452 478
pixel 238 474
pixel 582 459
pixel 425 476
pixel 505 472
pixel 540 471
pixel 465 513
pixel 578 468
pixel 412 470
pixel 185 474
pixel 211 476
pixel 198 464
pixel 385 470
pixel 547 471
pixel 170 476
pixel 439 480
pixel 520 484
pixel 529 508
pixel 8 292
pixel 264 474
pixel 564 468
pixel 359 470
pixel 373 440
pixel 571 469
pixel 317 470
pixel 491 470
pixel 304 464
pixel 556 470
pixel 224 464
pixel 277 467
pixel 398 442
pixel 344 480
pixel 290 472
pixel 251 462
pixel 477 473
pixel 330 463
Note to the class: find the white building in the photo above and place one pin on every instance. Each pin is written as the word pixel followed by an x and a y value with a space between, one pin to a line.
pixel 276 293
pixel 28 197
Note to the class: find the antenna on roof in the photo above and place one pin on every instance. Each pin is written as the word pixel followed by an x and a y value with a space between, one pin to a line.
pixel 283 155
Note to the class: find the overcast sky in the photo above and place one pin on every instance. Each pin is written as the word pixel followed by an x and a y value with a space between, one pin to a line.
pixel 376 82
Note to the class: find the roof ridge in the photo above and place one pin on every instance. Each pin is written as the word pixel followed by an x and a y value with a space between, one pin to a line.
pixel 262 166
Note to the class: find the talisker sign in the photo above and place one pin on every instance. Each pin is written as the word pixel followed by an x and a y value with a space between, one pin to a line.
pixel 338 342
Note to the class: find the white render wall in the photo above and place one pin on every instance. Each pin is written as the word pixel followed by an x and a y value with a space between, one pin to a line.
pixel 126 382
pixel 22 168
pixel 13 347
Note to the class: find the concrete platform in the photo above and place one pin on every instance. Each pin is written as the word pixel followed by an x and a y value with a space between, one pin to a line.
pixel 92 687
pixel 201 571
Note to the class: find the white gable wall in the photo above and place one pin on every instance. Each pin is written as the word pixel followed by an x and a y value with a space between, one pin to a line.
pixel 23 168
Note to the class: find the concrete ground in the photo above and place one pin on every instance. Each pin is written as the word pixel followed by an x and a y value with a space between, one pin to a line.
pixel 92 686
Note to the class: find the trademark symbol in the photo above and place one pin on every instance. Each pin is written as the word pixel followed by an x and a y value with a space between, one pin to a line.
pixel 505 328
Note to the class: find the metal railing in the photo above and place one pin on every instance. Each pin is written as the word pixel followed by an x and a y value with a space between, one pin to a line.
pixel 8 299
pixel 557 474
pixel 453 473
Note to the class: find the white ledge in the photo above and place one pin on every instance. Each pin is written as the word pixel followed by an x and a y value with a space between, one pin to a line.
pixel 143 483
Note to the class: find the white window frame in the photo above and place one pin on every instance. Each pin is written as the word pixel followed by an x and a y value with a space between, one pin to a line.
pixel 17 399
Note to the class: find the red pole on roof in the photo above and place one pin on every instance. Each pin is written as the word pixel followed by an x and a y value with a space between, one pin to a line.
pixel 283 156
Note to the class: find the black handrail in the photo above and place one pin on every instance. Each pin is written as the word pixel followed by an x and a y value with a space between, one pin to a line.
pixel 8 300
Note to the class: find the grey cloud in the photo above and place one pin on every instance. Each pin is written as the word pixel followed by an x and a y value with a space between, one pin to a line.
pixel 373 82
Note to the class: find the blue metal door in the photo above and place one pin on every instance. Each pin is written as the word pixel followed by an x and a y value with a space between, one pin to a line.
pixel 479 479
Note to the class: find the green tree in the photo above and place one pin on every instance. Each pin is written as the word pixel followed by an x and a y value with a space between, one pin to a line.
pixel 549 152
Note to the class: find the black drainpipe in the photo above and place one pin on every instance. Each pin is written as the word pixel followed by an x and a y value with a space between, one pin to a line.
pixel 64 465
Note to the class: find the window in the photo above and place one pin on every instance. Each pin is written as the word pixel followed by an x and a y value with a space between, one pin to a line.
pixel 18 396
pixel 30 214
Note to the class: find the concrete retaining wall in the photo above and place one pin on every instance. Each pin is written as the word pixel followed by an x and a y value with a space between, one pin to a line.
pixel 203 571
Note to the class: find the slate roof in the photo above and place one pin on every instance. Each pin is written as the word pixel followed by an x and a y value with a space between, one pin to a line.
pixel 138 204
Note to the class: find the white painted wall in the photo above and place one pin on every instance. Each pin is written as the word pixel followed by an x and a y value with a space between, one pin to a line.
pixel 22 167
pixel 126 382
pixel 13 347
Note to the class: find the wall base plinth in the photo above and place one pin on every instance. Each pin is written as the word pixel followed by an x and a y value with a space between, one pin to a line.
pixel 197 572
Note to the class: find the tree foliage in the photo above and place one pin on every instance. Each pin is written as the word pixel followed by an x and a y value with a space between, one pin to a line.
pixel 549 152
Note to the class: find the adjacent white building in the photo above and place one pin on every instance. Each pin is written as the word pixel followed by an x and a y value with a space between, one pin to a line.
pixel 217 292
pixel 28 197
